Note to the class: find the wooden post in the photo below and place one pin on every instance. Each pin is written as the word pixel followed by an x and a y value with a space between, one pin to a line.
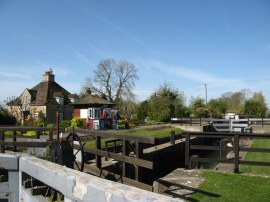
pixel 2 138
pixel 187 150
pixel 236 153
pixel 262 121
pixel 57 125
pixel 248 121
pixel 139 154
pixel 51 135
pixel 125 152
pixel 37 134
pixel 172 137
pixel 98 146
pixel 14 140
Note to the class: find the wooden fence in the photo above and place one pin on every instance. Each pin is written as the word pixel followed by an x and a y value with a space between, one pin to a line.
pixel 195 121
pixel 14 143
pixel 236 137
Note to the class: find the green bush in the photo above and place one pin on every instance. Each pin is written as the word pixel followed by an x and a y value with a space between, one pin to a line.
pixel 30 133
pixel 50 125
pixel 65 123
pixel 10 133
pixel 77 122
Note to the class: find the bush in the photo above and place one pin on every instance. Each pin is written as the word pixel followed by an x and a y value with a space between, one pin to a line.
pixel 65 123
pixel 30 133
pixel 77 122
pixel 50 125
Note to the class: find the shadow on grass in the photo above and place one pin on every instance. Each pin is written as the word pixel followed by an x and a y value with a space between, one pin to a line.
pixel 186 196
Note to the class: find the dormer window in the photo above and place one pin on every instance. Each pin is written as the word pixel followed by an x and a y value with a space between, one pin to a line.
pixel 60 100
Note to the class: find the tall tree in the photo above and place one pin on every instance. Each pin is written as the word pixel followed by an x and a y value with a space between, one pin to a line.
pixel 165 103
pixel 218 107
pixel 256 105
pixel 112 79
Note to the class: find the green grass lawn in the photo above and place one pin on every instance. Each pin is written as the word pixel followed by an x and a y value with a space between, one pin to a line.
pixel 165 132
pixel 256 156
pixel 232 187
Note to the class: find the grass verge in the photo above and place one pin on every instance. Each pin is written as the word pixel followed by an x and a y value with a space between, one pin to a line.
pixel 231 187
pixel 256 156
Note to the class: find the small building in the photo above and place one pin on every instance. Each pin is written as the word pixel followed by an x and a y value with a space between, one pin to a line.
pixel 90 110
pixel 47 97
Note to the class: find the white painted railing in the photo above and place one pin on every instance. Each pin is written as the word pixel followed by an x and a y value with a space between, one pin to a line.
pixel 72 184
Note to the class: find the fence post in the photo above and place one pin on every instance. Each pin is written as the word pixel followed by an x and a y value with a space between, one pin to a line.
pixel 125 152
pixel 2 137
pixel 187 150
pixel 172 137
pixel 37 134
pixel 262 121
pixel 139 153
pixel 14 140
pixel 236 153
pixel 98 146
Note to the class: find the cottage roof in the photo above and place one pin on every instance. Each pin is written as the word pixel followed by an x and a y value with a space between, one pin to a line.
pixel 45 92
pixel 92 99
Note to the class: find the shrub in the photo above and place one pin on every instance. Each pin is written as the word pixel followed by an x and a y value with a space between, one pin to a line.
pixel 77 122
pixel 30 133
pixel 65 123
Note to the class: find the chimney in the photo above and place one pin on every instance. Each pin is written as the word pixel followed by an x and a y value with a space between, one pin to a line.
pixel 48 76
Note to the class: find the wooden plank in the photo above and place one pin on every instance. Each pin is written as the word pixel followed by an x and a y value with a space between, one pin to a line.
pixel 215 148
pixel 135 183
pixel 113 134
pixel 26 144
pixel 42 190
pixel 255 163
pixel 25 129
pixel 30 183
pixel 212 160
pixel 255 150
pixel 119 157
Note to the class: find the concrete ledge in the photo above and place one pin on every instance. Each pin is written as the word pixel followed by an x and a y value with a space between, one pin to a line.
pixel 78 186
pixel 9 162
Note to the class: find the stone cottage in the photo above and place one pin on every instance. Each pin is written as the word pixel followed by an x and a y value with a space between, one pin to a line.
pixel 47 97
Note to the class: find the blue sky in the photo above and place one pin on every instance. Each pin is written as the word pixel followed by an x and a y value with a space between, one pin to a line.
pixel 222 43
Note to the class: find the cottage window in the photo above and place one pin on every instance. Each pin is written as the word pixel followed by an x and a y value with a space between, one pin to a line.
pixel 61 116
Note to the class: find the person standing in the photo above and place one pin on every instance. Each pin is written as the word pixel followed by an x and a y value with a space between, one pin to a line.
pixel 104 116
pixel 116 118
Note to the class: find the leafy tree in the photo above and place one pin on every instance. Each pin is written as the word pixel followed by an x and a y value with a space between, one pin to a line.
pixel 6 118
pixel 235 100
pixel 142 110
pixel 218 107
pixel 112 79
pixel 198 107
pixel 256 105
pixel 165 103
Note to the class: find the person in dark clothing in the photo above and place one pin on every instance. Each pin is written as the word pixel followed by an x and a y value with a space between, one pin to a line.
pixel 116 118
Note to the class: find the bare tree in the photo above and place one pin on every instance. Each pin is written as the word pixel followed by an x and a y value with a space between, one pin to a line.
pixel 112 79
